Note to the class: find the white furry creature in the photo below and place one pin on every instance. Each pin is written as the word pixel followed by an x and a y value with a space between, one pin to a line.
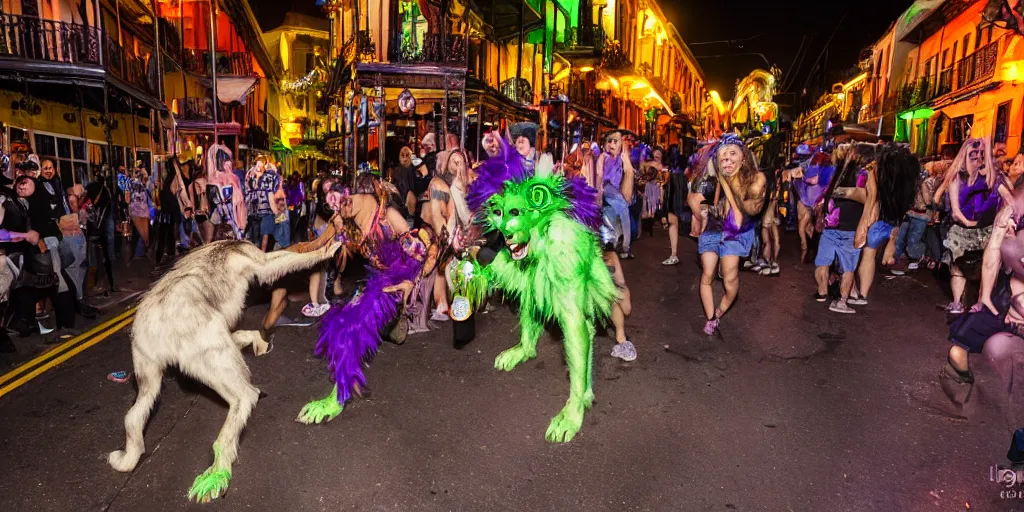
pixel 188 319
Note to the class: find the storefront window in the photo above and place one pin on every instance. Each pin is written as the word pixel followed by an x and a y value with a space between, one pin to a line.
pixel 1002 130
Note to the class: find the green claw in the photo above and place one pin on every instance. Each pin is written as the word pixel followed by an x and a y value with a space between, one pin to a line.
pixel 319 411
pixel 567 424
pixel 210 485
pixel 513 357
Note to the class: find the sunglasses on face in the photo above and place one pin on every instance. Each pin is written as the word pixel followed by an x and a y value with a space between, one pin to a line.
pixel 974 155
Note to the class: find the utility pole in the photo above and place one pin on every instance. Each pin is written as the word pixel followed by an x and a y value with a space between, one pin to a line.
pixel 213 63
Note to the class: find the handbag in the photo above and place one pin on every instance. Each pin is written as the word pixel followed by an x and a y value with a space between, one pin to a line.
pixel 970 264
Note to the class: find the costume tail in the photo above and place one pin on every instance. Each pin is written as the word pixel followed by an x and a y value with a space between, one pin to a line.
pixel 351 334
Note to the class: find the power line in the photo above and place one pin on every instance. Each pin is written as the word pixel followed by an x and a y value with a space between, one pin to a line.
pixel 729 41
pixel 792 72
pixel 825 49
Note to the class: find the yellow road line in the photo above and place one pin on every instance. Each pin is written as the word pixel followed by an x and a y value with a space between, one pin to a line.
pixel 71 353
pixel 65 346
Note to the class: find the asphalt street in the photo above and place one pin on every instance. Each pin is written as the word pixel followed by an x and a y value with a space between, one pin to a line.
pixel 792 407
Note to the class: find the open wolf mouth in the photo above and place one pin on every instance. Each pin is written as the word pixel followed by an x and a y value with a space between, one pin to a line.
pixel 518 251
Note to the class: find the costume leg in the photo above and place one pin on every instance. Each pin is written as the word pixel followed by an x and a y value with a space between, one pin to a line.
pixel 349 337
pixel 149 376
pixel 225 372
pixel 579 337
pixel 530 331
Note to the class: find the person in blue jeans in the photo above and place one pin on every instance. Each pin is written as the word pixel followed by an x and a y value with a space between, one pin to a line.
pixel 615 173
pixel 910 242
pixel 732 220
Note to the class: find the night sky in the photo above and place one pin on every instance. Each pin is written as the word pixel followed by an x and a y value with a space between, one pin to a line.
pixel 775 26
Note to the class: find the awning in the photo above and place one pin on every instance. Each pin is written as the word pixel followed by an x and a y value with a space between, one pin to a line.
pixel 234 88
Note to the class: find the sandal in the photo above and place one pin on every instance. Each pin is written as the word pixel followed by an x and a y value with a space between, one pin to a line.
pixel 671 261
pixel 315 310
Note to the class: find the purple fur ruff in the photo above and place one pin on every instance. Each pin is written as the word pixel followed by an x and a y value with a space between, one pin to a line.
pixel 583 199
pixel 350 334
pixel 492 175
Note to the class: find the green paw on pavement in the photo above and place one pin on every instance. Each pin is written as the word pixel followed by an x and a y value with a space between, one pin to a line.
pixel 319 411
pixel 210 485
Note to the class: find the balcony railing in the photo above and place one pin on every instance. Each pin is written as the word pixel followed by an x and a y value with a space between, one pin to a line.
pixel 583 39
pixel 127 67
pixel 439 50
pixel 195 109
pixel 519 91
pixel 37 39
pixel 228 63
pixel 977 67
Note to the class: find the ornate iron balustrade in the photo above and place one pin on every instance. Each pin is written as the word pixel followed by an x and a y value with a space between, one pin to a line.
pixel 228 64
pixel 519 91
pixel 34 38
pixel 439 50
pixel 128 67
pixel 978 66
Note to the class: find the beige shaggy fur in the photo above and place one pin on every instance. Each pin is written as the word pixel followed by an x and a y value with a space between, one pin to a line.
pixel 188 319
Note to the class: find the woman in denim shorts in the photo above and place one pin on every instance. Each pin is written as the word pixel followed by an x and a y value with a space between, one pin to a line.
pixel 729 235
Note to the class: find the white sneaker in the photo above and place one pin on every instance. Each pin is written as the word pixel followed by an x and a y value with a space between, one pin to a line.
pixel 913 266
pixel 840 306
pixel 439 316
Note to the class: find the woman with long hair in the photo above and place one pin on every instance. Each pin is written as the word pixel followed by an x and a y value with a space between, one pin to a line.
pixel 224 192
pixel 971 182
pixel 729 234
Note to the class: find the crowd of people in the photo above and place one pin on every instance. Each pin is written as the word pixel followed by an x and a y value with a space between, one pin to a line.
pixel 856 207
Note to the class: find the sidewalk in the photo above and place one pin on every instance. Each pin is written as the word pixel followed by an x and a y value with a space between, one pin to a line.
pixel 132 279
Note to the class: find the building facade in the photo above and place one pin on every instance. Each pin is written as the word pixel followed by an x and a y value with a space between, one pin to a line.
pixel 577 67
pixel 139 87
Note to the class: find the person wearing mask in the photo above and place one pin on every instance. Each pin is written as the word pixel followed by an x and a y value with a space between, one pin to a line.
pixel 224 195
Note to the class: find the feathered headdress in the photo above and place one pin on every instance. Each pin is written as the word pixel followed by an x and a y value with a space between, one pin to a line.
pixel 507 166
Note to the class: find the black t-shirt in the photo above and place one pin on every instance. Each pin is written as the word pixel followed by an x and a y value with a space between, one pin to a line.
pixel 46 207
pixel 849 214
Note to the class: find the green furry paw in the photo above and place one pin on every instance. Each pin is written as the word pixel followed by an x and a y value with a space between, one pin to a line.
pixel 320 411
pixel 513 357
pixel 565 426
pixel 210 485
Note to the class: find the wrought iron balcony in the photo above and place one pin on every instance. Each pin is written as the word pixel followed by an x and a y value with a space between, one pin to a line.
pixel 130 68
pixel 228 63
pixel 438 50
pixel 585 41
pixel 977 67
pixel 519 91
pixel 36 39
pixel 197 109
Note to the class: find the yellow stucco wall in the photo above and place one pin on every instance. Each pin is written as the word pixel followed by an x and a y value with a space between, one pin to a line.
pixel 51 120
